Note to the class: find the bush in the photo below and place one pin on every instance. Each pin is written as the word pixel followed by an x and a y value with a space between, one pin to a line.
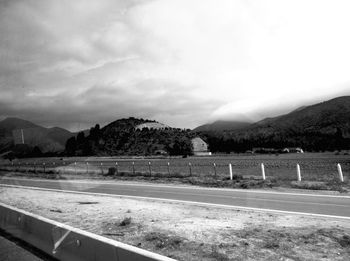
pixel 111 171
pixel 125 222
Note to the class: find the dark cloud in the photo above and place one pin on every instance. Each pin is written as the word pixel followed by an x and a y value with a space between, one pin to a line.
pixel 185 62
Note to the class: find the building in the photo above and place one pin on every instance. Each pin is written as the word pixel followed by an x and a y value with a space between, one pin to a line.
pixel 200 147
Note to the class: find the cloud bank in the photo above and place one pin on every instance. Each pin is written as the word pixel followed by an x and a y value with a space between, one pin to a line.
pixel 183 62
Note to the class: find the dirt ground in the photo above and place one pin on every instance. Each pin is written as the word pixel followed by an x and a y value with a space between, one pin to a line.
pixel 187 232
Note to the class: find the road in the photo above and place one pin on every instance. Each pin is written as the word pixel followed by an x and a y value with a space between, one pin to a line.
pixel 13 249
pixel 312 204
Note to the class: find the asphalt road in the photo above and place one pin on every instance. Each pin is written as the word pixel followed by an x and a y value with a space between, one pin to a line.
pixel 319 204
pixel 13 249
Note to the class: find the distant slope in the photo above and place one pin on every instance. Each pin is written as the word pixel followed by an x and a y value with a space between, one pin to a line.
pixel 325 125
pixel 9 124
pixel 47 139
pixel 219 126
pixel 324 117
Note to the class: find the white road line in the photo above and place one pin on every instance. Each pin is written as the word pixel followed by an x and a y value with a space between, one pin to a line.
pixel 186 202
pixel 248 198
pixel 183 187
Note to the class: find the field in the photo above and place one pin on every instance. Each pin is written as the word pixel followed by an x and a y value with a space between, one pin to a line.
pixel 318 170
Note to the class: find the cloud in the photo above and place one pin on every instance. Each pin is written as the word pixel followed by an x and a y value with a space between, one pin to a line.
pixel 182 62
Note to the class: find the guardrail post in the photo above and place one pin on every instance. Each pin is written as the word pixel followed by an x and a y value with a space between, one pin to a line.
pixel 101 168
pixel 214 165
pixel 169 168
pixel 133 168
pixel 75 167
pixel 116 168
pixel 190 168
pixel 34 168
pixel 44 167
pixel 150 168
pixel 340 172
pixel 298 173
pixel 263 171
pixel 230 169
pixel 87 167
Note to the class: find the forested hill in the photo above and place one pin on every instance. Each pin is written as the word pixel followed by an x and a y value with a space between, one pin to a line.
pixel 322 126
pixel 220 126
pixel 122 137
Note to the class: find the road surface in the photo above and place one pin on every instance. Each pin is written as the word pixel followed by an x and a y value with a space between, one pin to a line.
pixel 12 249
pixel 314 204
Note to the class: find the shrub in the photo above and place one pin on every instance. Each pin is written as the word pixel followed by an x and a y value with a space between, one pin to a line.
pixel 125 222
pixel 111 171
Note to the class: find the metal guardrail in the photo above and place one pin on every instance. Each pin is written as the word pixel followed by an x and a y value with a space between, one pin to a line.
pixel 68 243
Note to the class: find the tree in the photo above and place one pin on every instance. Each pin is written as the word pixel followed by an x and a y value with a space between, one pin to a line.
pixel 71 146
pixel 80 138
pixel 95 132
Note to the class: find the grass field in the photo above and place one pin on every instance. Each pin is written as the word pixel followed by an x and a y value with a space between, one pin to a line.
pixel 279 169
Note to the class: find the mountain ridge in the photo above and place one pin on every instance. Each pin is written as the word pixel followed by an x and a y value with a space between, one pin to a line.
pixel 46 139
pixel 320 126
pixel 222 125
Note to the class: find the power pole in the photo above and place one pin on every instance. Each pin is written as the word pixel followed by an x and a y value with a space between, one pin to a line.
pixel 22 136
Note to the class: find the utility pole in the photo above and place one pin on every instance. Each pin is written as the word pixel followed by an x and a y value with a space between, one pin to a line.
pixel 22 136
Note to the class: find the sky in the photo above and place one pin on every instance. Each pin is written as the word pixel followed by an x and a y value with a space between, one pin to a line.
pixel 181 62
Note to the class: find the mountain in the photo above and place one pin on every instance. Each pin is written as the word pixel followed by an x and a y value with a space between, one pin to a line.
pixel 132 136
pixel 219 126
pixel 9 124
pixel 325 117
pixel 15 131
pixel 322 126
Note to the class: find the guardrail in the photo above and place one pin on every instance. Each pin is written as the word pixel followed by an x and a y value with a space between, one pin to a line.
pixel 64 242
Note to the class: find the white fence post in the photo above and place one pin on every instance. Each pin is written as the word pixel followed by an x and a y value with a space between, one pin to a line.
pixel 150 168
pixel 214 165
pixel 341 177
pixel 263 171
pixel 75 167
pixel 298 173
pixel 116 168
pixel 230 168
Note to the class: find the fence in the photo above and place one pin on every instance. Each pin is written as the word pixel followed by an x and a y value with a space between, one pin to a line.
pixel 67 243
pixel 283 170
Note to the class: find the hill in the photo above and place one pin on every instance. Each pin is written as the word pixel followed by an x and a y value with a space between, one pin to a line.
pixel 327 118
pixel 219 126
pixel 322 126
pixel 14 132
pixel 124 137
pixel 9 124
